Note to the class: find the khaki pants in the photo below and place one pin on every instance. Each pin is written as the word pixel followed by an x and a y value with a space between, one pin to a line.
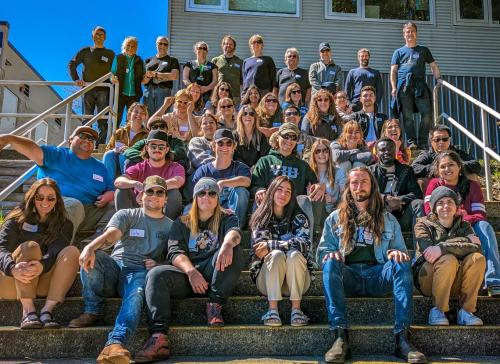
pixel 83 217
pixel 53 284
pixel 450 277
pixel 284 275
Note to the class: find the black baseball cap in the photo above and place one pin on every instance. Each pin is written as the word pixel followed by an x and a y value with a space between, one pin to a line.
pixel 223 134
pixel 324 45
pixel 157 135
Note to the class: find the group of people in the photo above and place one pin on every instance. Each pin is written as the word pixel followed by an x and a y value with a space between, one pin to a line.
pixel 333 186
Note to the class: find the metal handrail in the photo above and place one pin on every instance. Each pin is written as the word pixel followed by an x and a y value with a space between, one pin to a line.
pixel 484 143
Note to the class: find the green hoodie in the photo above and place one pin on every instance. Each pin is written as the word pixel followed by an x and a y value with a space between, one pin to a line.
pixel 177 150
pixel 275 164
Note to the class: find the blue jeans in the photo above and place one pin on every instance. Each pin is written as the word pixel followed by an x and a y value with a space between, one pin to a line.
pixel 363 280
pixel 236 199
pixel 423 104
pixel 114 161
pixel 486 234
pixel 154 97
pixel 107 279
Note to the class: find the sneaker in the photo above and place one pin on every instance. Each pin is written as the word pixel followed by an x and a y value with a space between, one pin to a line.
pixel 437 317
pixel 214 317
pixel 156 348
pixel 494 291
pixel 468 319
pixel 86 320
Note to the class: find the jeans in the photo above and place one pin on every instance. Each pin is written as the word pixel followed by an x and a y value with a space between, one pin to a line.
pixel 407 100
pixel 360 280
pixel 97 98
pixel 114 162
pixel 166 282
pixel 154 97
pixel 236 199
pixel 106 279
pixel 486 234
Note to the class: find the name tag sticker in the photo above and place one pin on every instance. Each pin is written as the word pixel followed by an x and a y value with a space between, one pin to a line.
pixel 137 233
pixel 104 59
pixel 183 128
pixel 332 72
pixel 236 65
pixel 164 63
pixel 30 228
pixel 126 70
pixel 259 61
pixel 96 177
pixel 297 76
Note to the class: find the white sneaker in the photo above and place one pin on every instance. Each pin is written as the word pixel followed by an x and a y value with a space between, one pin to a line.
pixel 437 317
pixel 468 319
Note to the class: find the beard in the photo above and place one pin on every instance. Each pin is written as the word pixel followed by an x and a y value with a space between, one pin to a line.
pixel 361 197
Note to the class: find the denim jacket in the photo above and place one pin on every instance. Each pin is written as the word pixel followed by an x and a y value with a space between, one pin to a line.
pixel 392 239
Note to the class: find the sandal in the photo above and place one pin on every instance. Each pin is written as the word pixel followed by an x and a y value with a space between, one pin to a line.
pixel 49 323
pixel 298 318
pixel 31 321
pixel 271 318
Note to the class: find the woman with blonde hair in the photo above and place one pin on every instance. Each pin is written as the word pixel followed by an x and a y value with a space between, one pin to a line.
pixel 226 115
pixel 342 106
pixel 269 113
pixel 322 120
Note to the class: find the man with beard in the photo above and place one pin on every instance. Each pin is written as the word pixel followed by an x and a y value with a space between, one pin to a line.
pixel 368 117
pixel 397 185
pixel 357 78
pixel 230 66
pixel 362 253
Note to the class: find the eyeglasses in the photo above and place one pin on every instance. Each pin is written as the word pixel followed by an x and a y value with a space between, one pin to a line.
pixel 342 97
pixel 224 143
pixel 159 126
pixel 157 146
pixel 226 106
pixel 202 48
pixel 294 92
pixel 224 89
pixel 163 44
pixel 41 198
pixel 158 193
pixel 210 194
pixel 86 136
pixel 322 150
pixel 271 101
pixel 443 139
pixel 292 113
pixel 292 137
pixel 248 113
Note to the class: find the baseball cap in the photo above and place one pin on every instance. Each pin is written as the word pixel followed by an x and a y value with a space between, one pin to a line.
pixel 157 135
pixel 154 181
pixel 86 130
pixel 287 128
pixel 324 45
pixel 223 134
pixel 98 27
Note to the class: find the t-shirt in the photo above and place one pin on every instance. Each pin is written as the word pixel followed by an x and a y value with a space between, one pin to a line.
pixel 285 77
pixel 200 74
pixel 140 171
pixel 230 71
pixel 259 71
pixel 363 251
pixel 161 65
pixel 390 184
pixel 143 237
pixel 202 245
pixel 411 61
pixel 83 179
pixel 360 77
pixel 371 135
pixel 236 169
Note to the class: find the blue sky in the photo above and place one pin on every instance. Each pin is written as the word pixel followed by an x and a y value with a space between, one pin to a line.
pixel 49 33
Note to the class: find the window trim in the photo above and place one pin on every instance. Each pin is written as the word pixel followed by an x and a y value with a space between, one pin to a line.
pixel 487 20
pixel 360 15
pixel 223 8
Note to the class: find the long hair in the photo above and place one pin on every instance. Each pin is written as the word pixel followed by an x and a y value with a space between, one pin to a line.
pixel 219 111
pixel 198 104
pixel 288 93
pixel 463 185
pixel 246 97
pixel 192 219
pixel 312 161
pixel 346 129
pixel 131 109
pixel 26 211
pixel 240 130
pixel 350 217
pixel 215 94
pixel 264 213
pixel 263 113
pixel 406 152
pixel 314 114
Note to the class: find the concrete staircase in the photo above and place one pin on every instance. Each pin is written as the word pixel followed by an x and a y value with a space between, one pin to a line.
pixel 244 335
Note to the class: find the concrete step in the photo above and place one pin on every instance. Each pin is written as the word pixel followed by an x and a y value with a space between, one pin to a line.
pixel 251 340
pixel 248 310
pixel 15 197
pixel 7 180
pixel 16 163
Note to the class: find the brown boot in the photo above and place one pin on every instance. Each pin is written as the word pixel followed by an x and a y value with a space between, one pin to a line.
pixel 114 354
pixel 156 348
pixel 86 320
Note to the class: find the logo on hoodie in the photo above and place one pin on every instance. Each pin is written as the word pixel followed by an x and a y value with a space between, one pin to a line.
pixel 290 172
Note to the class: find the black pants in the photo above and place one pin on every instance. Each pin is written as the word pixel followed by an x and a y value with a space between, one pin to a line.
pixel 124 100
pixel 166 282
pixel 97 98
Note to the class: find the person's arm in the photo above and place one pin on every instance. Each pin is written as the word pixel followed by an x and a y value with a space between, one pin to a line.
pixel 364 155
pixel 239 181
pixel 471 165
pixel 397 248
pixel 9 236
pixel 313 77
pixel 169 101
pixel 394 79
pixel 411 187
pixel 185 76
pixel 435 70
pixel 339 78
pixel 259 176
pixel 329 244
pixel 477 207
pixel 349 86
pixel 341 155
pixel 25 146
pixel 125 183
pixel 198 153
pixel 423 235
pixel 193 121
pixel 300 239
pixel 379 88
pixel 179 178
pixel 109 238
pixel 72 68
pixel 422 164
pixel 133 152
pixel 215 79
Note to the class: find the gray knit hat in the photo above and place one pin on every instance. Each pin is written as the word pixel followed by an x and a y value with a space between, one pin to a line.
pixel 439 193
pixel 206 184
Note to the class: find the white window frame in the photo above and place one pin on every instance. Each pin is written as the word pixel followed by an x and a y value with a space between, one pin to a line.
pixel 223 8
pixel 361 16
pixel 487 20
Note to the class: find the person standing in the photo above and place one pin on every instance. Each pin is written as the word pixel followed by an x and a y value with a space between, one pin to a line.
pixel 201 71
pixel 292 73
pixel 230 67
pixel 409 89
pixel 258 70
pixel 96 61
pixel 325 74
pixel 161 70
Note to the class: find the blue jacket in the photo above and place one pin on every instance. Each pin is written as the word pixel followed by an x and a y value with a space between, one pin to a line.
pixel 392 239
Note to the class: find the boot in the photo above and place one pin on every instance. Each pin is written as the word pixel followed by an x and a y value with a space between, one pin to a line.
pixel 114 353
pixel 405 350
pixel 340 351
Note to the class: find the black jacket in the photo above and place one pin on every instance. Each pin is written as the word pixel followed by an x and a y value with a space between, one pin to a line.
pixel 364 120
pixel 121 71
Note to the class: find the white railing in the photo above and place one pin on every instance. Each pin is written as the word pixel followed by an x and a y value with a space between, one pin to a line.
pixel 484 142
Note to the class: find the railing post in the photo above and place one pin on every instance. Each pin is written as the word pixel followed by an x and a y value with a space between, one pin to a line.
pixel 435 100
pixel 115 107
pixel 110 114
pixel 486 156
pixel 67 121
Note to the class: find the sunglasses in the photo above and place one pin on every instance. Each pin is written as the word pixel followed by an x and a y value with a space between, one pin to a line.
pixel 225 143
pixel 323 100
pixel 292 137
pixel 226 106
pixel 322 150
pixel 272 101
pixel 159 126
pixel 182 102
pixel 444 139
pixel 157 193
pixel 224 89
pixel 292 113
pixel 295 92
pixel 157 146
pixel 163 44
pixel 86 136
pixel 341 97
pixel 324 50
pixel 291 56
pixel 202 48
pixel 248 113
pixel 257 42
pixel 41 198
pixel 211 194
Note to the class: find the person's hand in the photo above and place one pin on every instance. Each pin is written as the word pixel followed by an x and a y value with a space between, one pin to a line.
pixel 259 196
pixel 398 256
pixel 261 249
pixel 221 183
pixel 149 263
pixel 317 191
pixel 20 272
pixel 225 257
pixel 114 79
pixel 169 100
pixel 204 89
pixel 393 203
pixel 150 74
pixel 139 186
pixel 393 92
pixel 104 199
pixel 432 253
pixel 80 83
pixel 198 283
pixel 87 258
pixel 35 268
pixel 474 239
pixel 333 255
pixel 3 140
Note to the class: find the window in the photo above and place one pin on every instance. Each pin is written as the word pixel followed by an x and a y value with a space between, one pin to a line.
pixel 252 7
pixel 477 12
pixel 391 10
